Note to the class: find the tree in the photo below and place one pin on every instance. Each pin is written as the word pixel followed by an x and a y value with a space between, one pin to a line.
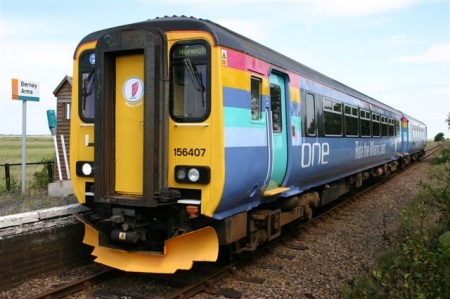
pixel 439 137
pixel 448 121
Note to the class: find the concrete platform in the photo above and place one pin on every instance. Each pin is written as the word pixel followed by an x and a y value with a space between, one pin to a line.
pixel 60 189
pixel 39 215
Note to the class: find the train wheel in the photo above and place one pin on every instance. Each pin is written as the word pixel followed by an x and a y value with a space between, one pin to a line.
pixel 309 201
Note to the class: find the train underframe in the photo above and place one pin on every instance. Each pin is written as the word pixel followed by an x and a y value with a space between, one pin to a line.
pixel 158 230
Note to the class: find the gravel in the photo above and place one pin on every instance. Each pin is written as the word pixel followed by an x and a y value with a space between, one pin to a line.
pixel 316 264
pixel 338 250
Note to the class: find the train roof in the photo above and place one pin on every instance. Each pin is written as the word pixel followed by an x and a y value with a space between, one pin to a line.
pixel 230 39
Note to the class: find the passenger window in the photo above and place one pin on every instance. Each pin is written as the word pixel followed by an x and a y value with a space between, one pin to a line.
pixel 391 127
pixel 275 102
pixel 384 126
pixel 351 121
pixel 365 123
pixel 255 98
pixel 310 115
pixel 332 117
pixel 376 125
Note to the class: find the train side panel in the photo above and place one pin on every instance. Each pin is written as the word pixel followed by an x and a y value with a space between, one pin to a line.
pixel 417 135
pixel 245 134
pixel 344 151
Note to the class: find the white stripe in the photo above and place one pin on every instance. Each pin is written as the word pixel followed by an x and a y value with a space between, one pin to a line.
pixel 189 201
pixel 245 137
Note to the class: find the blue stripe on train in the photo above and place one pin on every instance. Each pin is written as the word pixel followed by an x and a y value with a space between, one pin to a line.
pixel 237 98
pixel 246 170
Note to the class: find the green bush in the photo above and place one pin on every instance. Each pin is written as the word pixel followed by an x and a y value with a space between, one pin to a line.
pixel 443 156
pixel 418 264
pixel 40 178
pixel 439 190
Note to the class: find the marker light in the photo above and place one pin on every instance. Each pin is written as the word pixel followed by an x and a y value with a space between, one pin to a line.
pixel 181 174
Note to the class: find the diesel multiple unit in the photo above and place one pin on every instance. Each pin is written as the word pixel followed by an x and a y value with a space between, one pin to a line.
pixel 187 137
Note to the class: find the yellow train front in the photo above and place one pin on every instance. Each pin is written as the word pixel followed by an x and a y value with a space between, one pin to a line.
pixel 144 141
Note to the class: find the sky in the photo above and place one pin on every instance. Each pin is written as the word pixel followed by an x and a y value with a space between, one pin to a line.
pixel 397 52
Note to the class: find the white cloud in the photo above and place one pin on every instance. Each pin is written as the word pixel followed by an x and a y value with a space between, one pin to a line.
pixel 439 52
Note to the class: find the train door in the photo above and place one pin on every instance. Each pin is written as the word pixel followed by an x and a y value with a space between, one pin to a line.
pixel 279 145
pixel 405 134
pixel 129 124
pixel 130 148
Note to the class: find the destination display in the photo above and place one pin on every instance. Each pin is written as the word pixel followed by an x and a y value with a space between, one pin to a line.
pixel 189 51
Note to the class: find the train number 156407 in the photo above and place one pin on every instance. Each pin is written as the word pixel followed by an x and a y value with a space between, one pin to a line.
pixel 193 152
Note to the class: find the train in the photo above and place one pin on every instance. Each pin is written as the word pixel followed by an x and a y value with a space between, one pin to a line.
pixel 189 139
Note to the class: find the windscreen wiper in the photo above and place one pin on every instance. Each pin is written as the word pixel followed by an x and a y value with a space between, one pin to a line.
pixel 89 89
pixel 194 75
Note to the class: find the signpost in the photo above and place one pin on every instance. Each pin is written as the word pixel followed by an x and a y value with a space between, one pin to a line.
pixel 24 90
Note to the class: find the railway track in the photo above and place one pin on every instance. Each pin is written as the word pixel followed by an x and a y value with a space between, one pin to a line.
pixel 78 285
pixel 207 283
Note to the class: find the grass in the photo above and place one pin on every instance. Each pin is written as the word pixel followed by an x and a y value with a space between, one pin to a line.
pixel 38 149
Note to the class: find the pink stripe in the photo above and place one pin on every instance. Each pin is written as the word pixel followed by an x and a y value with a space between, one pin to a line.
pixel 246 63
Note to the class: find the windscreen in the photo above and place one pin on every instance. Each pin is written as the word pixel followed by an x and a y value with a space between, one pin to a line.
pixel 87 84
pixel 190 96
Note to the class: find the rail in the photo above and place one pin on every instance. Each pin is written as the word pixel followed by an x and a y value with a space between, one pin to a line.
pixel 78 285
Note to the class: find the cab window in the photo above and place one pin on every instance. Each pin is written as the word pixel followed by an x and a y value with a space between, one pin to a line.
pixel 86 90
pixel 190 82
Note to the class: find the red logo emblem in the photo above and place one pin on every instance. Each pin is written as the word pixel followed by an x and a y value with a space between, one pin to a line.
pixel 134 89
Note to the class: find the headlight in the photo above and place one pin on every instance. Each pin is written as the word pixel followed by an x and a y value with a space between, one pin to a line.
pixel 192 174
pixel 85 168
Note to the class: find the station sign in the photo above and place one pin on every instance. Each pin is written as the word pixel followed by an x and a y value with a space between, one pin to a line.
pixel 25 90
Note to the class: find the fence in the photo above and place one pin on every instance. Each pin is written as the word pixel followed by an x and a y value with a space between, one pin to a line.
pixel 36 176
